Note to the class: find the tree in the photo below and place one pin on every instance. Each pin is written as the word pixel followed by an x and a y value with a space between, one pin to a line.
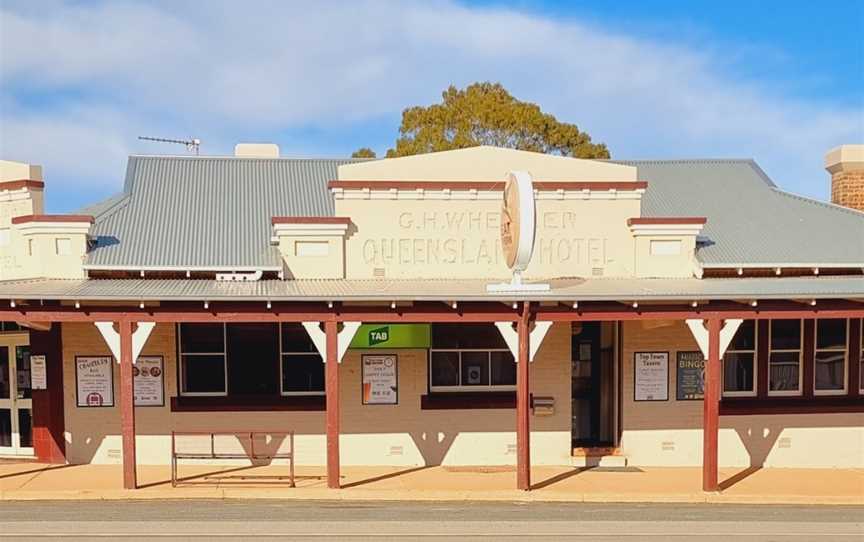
pixel 486 114
pixel 363 152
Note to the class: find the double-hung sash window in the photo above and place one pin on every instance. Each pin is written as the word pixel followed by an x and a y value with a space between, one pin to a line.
pixel 202 359
pixel 301 367
pixel 830 360
pixel 739 362
pixel 784 357
pixel 470 357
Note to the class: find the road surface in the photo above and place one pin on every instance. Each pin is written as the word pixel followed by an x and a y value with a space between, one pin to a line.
pixel 422 521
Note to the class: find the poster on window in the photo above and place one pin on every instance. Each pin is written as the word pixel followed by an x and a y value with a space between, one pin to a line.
pixel 651 376
pixel 690 379
pixel 380 375
pixel 94 381
pixel 149 378
pixel 38 373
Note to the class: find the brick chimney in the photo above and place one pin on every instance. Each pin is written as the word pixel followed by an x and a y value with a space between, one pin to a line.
pixel 846 166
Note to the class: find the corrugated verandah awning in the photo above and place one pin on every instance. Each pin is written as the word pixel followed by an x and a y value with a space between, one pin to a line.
pixel 562 289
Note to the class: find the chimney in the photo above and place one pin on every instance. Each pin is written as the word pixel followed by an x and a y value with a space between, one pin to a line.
pixel 846 166
pixel 256 150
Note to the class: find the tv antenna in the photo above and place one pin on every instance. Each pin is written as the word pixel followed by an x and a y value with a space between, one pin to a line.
pixel 192 145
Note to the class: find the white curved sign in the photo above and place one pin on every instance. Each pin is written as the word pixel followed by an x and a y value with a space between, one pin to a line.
pixel 518 220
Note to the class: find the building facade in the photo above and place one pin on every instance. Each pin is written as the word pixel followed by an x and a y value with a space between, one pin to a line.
pixel 681 313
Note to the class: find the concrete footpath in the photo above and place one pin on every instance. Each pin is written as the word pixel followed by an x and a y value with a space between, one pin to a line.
pixel 34 481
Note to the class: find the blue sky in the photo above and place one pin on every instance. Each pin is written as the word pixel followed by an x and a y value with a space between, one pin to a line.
pixel 778 81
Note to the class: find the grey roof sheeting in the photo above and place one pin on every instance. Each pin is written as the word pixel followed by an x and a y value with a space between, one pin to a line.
pixel 206 212
pixel 214 213
pixel 135 290
pixel 751 222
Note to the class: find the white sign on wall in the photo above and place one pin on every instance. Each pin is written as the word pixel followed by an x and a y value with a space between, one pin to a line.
pixel 38 373
pixel 94 381
pixel 380 380
pixel 651 378
pixel 149 381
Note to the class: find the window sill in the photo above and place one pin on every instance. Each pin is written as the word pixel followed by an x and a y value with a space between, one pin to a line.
pixel 248 403
pixel 468 400
pixel 739 406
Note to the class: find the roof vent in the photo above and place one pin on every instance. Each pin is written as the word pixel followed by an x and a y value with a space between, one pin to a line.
pixel 256 150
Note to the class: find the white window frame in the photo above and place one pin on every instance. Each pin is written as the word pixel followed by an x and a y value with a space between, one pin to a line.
pixel 484 388
pixel 845 350
pixel 181 363
pixel 282 356
pixel 800 350
pixel 755 353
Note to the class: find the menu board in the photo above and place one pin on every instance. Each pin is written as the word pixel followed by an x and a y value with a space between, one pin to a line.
pixel 149 381
pixel 380 376
pixel 690 376
pixel 651 376
pixel 94 381
pixel 38 373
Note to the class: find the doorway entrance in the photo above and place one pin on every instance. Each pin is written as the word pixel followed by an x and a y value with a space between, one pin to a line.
pixel 593 374
pixel 16 404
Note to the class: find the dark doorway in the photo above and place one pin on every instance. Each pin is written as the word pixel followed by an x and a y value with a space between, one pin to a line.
pixel 592 383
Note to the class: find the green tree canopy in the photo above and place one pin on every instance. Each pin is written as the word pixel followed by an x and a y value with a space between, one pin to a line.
pixel 363 152
pixel 486 114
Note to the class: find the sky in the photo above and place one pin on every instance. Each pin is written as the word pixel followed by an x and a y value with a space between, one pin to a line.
pixel 780 81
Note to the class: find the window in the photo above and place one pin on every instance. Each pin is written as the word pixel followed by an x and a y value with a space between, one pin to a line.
pixel 665 248
pixel 470 357
pixel 739 362
pixel 63 246
pixel 312 248
pixel 4 237
pixel 784 358
pixel 830 360
pixel 203 368
pixel 301 366
pixel 31 247
pixel 861 357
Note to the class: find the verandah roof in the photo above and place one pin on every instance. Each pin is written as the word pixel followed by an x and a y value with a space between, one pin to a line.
pixel 563 289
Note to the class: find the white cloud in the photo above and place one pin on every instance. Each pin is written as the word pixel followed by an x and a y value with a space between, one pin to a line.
pixel 229 68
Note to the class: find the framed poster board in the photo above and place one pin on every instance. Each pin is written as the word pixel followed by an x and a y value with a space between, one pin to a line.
pixel 689 376
pixel 38 373
pixel 651 377
pixel 380 379
pixel 149 381
pixel 94 381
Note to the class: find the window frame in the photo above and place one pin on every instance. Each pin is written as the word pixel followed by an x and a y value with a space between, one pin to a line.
pixel 755 352
pixel 181 363
pixel 282 355
pixel 816 351
pixel 861 357
pixel 800 350
pixel 487 388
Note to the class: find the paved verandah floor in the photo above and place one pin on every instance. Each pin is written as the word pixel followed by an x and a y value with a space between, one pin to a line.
pixel 27 480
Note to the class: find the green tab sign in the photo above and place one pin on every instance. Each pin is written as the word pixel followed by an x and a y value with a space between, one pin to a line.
pixel 392 336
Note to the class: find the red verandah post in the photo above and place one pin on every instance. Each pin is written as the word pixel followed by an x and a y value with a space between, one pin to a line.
pixel 523 428
pixel 711 408
pixel 127 405
pixel 331 388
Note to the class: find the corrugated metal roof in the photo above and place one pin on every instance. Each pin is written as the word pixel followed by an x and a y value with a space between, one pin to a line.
pixel 214 213
pixel 206 212
pixel 750 221
pixel 434 290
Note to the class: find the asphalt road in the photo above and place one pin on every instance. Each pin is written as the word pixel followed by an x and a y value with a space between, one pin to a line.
pixel 346 520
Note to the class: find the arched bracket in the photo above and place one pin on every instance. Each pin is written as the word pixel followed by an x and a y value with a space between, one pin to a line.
pixel 700 333
pixel 511 337
pixel 319 338
pixel 112 338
